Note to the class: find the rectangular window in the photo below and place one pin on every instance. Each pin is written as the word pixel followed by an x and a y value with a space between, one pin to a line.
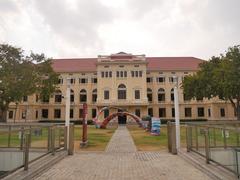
pixel 188 112
pixel 106 74
pixel 200 112
pixel 58 98
pixel 57 113
pixel 102 74
pixel 132 73
pixel 149 96
pixel 44 113
pixel 150 112
pixel 25 98
pixel 140 73
pixel 71 113
pixel 83 80
pixel 36 114
pixel 24 114
pixel 94 80
pixel 149 79
pixel 10 114
pixel 137 94
pixel 83 98
pixel 117 73
pixel 209 112
pixel 121 73
pixel 162 112
pixel 222 112
pixel 138 112
pixel 60 81
pixel 110 73
pixel 171 79
pixel 94 98
pixel 72 81
pixel 161 97
pixel 136 73
pixel 160 79
pixel 125 73
pixel 94 113
pixel 106 94
pixel 106 113
pixel 80 113
pixel 37 98
pixel 173 112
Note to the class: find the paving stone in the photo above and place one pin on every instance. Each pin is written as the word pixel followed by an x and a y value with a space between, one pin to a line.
pixel 121 160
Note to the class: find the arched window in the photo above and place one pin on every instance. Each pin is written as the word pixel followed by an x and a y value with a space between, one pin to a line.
pixel 161 95
pixel 172 94
pixel 71 96
pixel 83 96
pixel 149 94
pixel 122 91
pixel 94 95
pixel 58 96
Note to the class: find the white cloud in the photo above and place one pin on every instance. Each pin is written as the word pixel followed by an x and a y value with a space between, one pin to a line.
pixel 79 28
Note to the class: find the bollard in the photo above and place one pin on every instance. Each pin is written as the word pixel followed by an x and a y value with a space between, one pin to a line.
pixel 53 140
pixel 71 140
pixel 207 149
pixel 26 151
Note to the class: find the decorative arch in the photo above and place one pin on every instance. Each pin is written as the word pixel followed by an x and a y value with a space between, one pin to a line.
pixel 112 116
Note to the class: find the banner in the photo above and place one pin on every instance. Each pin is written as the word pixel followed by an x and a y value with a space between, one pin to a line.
pixel 156 123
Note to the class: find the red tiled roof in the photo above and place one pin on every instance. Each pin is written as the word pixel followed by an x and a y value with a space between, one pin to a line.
pixel 74 65
pixel 173 63
pixel 154 63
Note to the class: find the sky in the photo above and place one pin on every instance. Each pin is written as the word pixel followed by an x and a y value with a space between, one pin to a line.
pixel 87 28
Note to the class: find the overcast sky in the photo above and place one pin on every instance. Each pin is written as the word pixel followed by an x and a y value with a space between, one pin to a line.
pixel 87 28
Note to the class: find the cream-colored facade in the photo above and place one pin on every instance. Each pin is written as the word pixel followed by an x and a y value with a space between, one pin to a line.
pixel 124 81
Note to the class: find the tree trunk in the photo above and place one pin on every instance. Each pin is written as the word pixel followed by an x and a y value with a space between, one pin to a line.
pixel 238 112
pixel 3 115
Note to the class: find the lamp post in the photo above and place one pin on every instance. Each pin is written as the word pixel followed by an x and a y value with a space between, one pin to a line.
pixel 67 110
pixel 176 107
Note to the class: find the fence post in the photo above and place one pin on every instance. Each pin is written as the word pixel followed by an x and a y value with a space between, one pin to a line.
pixel 173 139
pixel 207 149
pixel 26 151
pixel 21 138
pixel 189 138
pixel 65 137
pixel 9 136
pixel 49 138
pixel 196 133
pixel 237 126
pixel 53 140
pixel 71 140
pixel 169 136
pixel 224 136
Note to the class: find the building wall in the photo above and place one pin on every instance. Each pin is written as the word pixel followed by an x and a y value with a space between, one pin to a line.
pixel 32 109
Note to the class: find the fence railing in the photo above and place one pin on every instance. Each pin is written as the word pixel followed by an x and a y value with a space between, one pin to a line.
pixel 217 142
pixel 21 144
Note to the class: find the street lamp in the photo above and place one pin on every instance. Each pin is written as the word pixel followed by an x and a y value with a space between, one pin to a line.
pixel 67 110
pixel 176 107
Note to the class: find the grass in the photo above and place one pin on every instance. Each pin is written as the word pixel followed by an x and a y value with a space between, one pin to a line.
pixel 97 138
pixel 147 142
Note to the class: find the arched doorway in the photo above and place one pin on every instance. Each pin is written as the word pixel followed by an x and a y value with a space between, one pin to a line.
pixel 122 118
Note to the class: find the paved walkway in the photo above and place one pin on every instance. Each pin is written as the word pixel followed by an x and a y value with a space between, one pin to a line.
pixel 122 161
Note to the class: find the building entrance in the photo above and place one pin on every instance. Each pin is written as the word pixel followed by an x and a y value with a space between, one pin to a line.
pixel 122 119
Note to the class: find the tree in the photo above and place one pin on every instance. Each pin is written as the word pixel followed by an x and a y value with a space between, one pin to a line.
pixel 219 77
pixel 22 75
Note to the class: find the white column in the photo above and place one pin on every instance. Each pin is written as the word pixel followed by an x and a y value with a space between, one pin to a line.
pixel 176 107
pixel 67 110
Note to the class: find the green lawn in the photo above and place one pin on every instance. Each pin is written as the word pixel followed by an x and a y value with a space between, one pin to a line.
pixel 147 142
pixel 97 138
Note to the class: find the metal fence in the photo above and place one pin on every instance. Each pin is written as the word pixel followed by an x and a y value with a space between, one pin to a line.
pixel 21 144
pixel 217 142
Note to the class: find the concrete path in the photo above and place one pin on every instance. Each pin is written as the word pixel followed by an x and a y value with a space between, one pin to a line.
pixel 121 161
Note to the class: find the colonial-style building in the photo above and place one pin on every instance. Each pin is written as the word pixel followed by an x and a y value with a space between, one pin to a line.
pixel 136 83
